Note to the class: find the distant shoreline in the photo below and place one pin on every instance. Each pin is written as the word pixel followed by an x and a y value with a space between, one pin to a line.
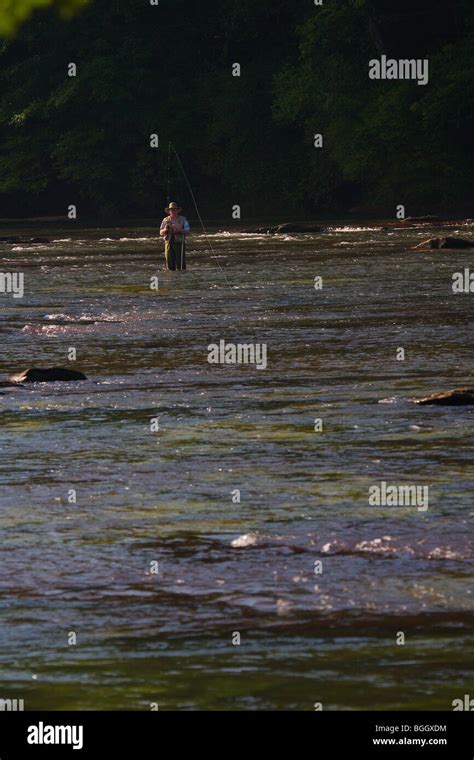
pixel 250 226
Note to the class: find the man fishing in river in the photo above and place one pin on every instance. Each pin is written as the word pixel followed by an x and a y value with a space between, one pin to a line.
pixel 174 229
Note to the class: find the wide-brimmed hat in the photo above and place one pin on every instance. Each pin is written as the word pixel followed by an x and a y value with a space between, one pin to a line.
pixel 173 205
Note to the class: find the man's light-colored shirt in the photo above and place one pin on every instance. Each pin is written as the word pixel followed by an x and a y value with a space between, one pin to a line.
pixel 180 220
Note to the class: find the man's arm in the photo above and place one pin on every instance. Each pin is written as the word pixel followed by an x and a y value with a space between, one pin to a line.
pixel 182 227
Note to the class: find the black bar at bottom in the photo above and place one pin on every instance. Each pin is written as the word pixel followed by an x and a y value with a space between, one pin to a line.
pixel 155 734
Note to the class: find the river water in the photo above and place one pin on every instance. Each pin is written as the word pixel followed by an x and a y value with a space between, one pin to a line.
pixel 128 537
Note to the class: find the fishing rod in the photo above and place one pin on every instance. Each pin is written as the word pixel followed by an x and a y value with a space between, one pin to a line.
pixel 214 255
pixel 169 234
pixel 169 162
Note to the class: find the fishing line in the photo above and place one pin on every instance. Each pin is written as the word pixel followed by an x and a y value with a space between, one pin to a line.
pixel 214 255
pixel 169 162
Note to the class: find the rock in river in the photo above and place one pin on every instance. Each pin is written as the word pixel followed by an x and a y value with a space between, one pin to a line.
pixel 281 229
pixel 457 397
pixel 14 240
pixel 426 218
pixel 51 375
pixel 446 242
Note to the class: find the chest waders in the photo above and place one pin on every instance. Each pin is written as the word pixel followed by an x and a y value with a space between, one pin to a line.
pixel 175 252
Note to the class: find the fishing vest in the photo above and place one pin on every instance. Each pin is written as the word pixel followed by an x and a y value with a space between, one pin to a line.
pixel 181 220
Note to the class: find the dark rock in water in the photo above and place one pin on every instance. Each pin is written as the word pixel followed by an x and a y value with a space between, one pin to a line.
pixel 427 218
pixel 457 397
pixel 303 227
pixel 281 229
pixel 446 242
pixel 13 240
pixel 36 375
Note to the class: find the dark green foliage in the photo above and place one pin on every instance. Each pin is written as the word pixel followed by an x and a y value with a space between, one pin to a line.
pixel 15 12
pixel 166 69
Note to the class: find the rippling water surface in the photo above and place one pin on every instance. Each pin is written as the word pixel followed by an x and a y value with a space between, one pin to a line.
pixel 144 497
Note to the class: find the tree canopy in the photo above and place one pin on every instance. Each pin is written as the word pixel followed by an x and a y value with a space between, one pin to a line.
pixel 167 69
pixel 14 12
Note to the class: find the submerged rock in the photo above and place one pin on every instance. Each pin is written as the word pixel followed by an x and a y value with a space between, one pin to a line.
pixel 51 375
pixel 456 397
pixel 281 229
pixel 426 218
pixel 9 384
pixel 14 240
pixel 302 227
pixel 446 242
